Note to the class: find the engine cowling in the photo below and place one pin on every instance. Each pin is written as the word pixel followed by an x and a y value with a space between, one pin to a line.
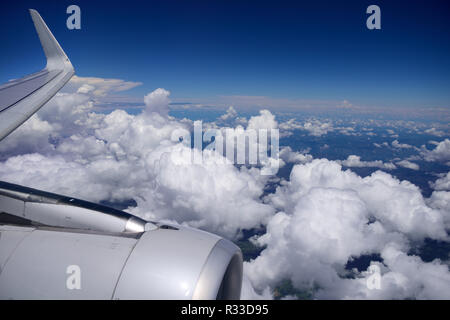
pixel 158 261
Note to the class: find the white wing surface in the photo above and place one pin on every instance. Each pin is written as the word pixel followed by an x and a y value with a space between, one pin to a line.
pixel 20 99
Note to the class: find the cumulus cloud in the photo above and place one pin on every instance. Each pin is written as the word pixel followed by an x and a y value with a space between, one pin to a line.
pixel 32 136
pixel 441 153
pixel 317 128
pixel 399 145
pixel 355 161
pixel 85 88
pixel 119 156
pixel 435 132
pixel 328 216
pixel 442 183
pixel 231 117
pixel 440 200
pixel 257 144
pixel 230 114
pixel 390 131
pixel 348 131
pixel 408 164
pixel 291 124
pixel 211 195
pixel 290 156
pixel 63 115
pixel 402 277
pixel 314 223
pixel 157 101
pixel 265 120
pixel 399 204
pixel 314 127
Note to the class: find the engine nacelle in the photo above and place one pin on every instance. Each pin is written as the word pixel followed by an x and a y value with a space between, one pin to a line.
pixel 53 262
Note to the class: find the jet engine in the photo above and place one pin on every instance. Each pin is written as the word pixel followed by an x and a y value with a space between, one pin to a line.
pixel 57 247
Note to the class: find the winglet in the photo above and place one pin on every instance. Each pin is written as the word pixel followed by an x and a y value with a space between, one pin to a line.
pixel 56 58
pixel 21 98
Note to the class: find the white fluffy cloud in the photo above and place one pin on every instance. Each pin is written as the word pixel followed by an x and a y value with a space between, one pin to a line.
pixel 211 195
pixel 32 136
pixel 327 216
pixel 157 101
pixel 442 183
pixel 289 156
pixel 441 153
pixel 314 127
pixel 231 117
pixel 230 114
pixel 265 120
pixel 315 222
pixel 355 161
pixel 317 128
pixel 119 156
pixel 435 132
pixel 399 145
pixel 398 204
pixel 440 198
pixel 408 164
pixel 402 277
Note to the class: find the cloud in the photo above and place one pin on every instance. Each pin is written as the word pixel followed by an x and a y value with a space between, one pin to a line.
pixel 402 277
pixel 399 145
pixel 328 216
pixel 314 223
pixel 399 204
pixel 435 132
pixel 230 114
pixel 265 120
pixel 289 156
pixel 211 195
pixel 441 153
pixel 314 127
pixel 99 86
pixel 348 131
pixel 390 131
pixel 433 142
pixel 157 101
pixel 63 115
pixel 442 183
pixel 355 161
pixel 440 200
pixel 408 164
pixel 290 125
pixel 249 293
pixel 32 136
pixel 380 145
pixel 119 156
pixel 85 88
pixel 231 118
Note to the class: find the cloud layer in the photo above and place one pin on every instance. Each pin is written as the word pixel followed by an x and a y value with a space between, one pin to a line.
pixel 315 223
pixel 328 216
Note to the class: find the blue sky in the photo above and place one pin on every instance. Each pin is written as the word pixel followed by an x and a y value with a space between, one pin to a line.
pixel 303 50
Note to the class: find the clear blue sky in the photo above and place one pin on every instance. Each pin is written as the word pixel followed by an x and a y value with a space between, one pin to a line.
pixel 318 50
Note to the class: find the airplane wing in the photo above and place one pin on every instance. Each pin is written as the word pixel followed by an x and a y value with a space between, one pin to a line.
pixel 20 99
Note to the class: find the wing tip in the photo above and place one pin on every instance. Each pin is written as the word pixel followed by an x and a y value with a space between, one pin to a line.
pixel 56 57
pixel 34 14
